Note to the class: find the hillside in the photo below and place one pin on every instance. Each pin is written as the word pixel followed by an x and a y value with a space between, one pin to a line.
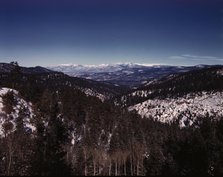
pixel 184 109
pixel 181 97
pixel 206 79
pixel 50 125
pixel 8 67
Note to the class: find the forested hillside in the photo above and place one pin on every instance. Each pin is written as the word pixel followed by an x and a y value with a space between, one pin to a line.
pixel 51 126
pixel 175 85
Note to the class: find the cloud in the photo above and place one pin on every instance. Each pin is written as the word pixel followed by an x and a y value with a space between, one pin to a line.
pixel 176 57
pixel 195 57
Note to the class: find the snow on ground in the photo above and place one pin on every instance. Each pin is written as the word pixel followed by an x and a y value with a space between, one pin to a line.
pixel 220 72
pixel 141 93
pixel 137 93
pixel 186 108
pixel 90 92
pixel 20 103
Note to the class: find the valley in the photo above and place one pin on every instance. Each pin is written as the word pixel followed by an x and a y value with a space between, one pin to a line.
pixel 89 127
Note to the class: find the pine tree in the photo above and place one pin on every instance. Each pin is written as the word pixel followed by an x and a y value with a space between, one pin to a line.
pixel 51 138
pixel 8 102
pixel 15 73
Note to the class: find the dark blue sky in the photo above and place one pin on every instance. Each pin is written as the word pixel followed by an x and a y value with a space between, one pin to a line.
pixel 50 32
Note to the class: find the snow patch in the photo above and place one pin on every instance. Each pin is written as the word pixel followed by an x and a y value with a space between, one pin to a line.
pixel 90 92
pixel 220 72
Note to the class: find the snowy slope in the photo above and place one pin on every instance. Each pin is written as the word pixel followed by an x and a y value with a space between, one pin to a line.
pixel 185 108
pixel 20 104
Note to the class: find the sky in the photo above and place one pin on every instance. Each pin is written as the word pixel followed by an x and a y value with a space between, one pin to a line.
pixel 52 32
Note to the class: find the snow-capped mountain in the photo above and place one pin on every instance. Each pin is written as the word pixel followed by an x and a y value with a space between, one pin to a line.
pixel 76 69
pixel 126 74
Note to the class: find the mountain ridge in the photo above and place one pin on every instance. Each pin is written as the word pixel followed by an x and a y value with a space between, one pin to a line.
pixel 9 73
pixel 125 74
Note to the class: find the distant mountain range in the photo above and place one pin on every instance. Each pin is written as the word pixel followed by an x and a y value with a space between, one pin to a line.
pixel 124 74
